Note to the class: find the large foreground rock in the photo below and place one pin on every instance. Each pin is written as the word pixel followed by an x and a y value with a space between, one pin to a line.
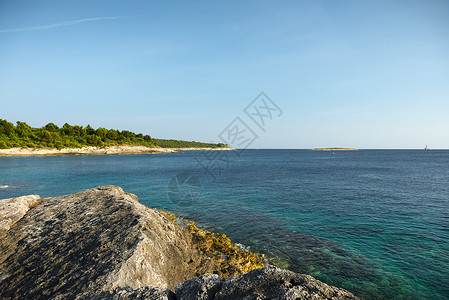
pixel 103 244
pixel 95 241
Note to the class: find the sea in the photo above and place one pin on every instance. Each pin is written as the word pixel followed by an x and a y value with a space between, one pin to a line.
pixel 374 222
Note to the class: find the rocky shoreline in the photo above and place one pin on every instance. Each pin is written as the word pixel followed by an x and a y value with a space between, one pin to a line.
pixel 103 244
pixel 111 150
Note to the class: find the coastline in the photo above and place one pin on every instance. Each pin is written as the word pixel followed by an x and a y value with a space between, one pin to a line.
pixel 111 150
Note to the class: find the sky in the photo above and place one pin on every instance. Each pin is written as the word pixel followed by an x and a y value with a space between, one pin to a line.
pixel 363 74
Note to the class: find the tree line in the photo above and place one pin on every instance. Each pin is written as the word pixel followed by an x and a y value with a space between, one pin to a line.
pixel 75 136
pixel 186 144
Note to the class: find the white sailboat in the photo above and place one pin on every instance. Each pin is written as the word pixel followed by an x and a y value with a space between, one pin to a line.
pixel 427 148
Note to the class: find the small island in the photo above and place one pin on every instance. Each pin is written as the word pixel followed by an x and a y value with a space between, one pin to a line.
pixel 334 149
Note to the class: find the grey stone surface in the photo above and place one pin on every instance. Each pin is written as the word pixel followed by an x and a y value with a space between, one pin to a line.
pixel 126 293
pixel 95 241
pixel 13 209
pixel 276 283
pixel 202 288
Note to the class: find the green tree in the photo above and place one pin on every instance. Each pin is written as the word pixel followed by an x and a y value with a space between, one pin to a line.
pixel 78 131
pixel 89 130
pixel 7 128
pixel 51 127
pixel 101 132
pixel 46 138
pixel 126 133
pixel 24 130
pixel 67 129
pixel 94 140
pixel 112 134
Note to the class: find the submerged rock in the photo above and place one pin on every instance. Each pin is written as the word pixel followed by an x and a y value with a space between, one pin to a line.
pixel 103 244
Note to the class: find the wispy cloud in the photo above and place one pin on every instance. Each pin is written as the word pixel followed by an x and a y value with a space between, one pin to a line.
pixel 59 24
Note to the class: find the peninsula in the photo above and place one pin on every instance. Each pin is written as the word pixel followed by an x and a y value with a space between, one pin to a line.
pixel 24 140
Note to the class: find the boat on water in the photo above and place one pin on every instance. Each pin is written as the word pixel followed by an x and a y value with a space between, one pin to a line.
pixel 427 148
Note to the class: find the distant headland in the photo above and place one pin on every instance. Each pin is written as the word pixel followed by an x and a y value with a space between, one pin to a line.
pixel 334 149
pixel 24 140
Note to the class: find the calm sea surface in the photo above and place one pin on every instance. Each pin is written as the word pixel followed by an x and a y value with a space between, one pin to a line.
pixel 375 222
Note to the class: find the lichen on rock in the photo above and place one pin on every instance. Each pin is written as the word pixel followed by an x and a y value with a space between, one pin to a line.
pixel 232 258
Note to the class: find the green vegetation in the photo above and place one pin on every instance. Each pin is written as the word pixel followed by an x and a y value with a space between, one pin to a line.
pixel 186 144
pixel 68 136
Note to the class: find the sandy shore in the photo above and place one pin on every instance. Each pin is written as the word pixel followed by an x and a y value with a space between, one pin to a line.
pixel 112 150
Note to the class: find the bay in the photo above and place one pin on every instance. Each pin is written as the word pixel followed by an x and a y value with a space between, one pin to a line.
pixel 375 222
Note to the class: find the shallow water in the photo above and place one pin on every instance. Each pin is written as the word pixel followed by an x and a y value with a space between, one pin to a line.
pixel 375 222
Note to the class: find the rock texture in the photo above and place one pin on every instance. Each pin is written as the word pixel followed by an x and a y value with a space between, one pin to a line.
pixel 276 283
pixel 204 287
pixel 127 293
pixel 95 240
pixel 103 244
pixel 13 209
pixel 266 283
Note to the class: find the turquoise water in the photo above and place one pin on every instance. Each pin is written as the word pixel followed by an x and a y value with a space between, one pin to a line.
pixel 375 222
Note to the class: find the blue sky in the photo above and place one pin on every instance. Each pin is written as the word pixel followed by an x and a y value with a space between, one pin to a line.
pixel 365 74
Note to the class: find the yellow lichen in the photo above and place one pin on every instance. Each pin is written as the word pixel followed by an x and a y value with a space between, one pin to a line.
pixel 169 215
pixel 231 259
pixel 241 259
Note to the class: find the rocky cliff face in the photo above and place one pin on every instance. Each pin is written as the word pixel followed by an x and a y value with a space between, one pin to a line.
pixel 103 244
